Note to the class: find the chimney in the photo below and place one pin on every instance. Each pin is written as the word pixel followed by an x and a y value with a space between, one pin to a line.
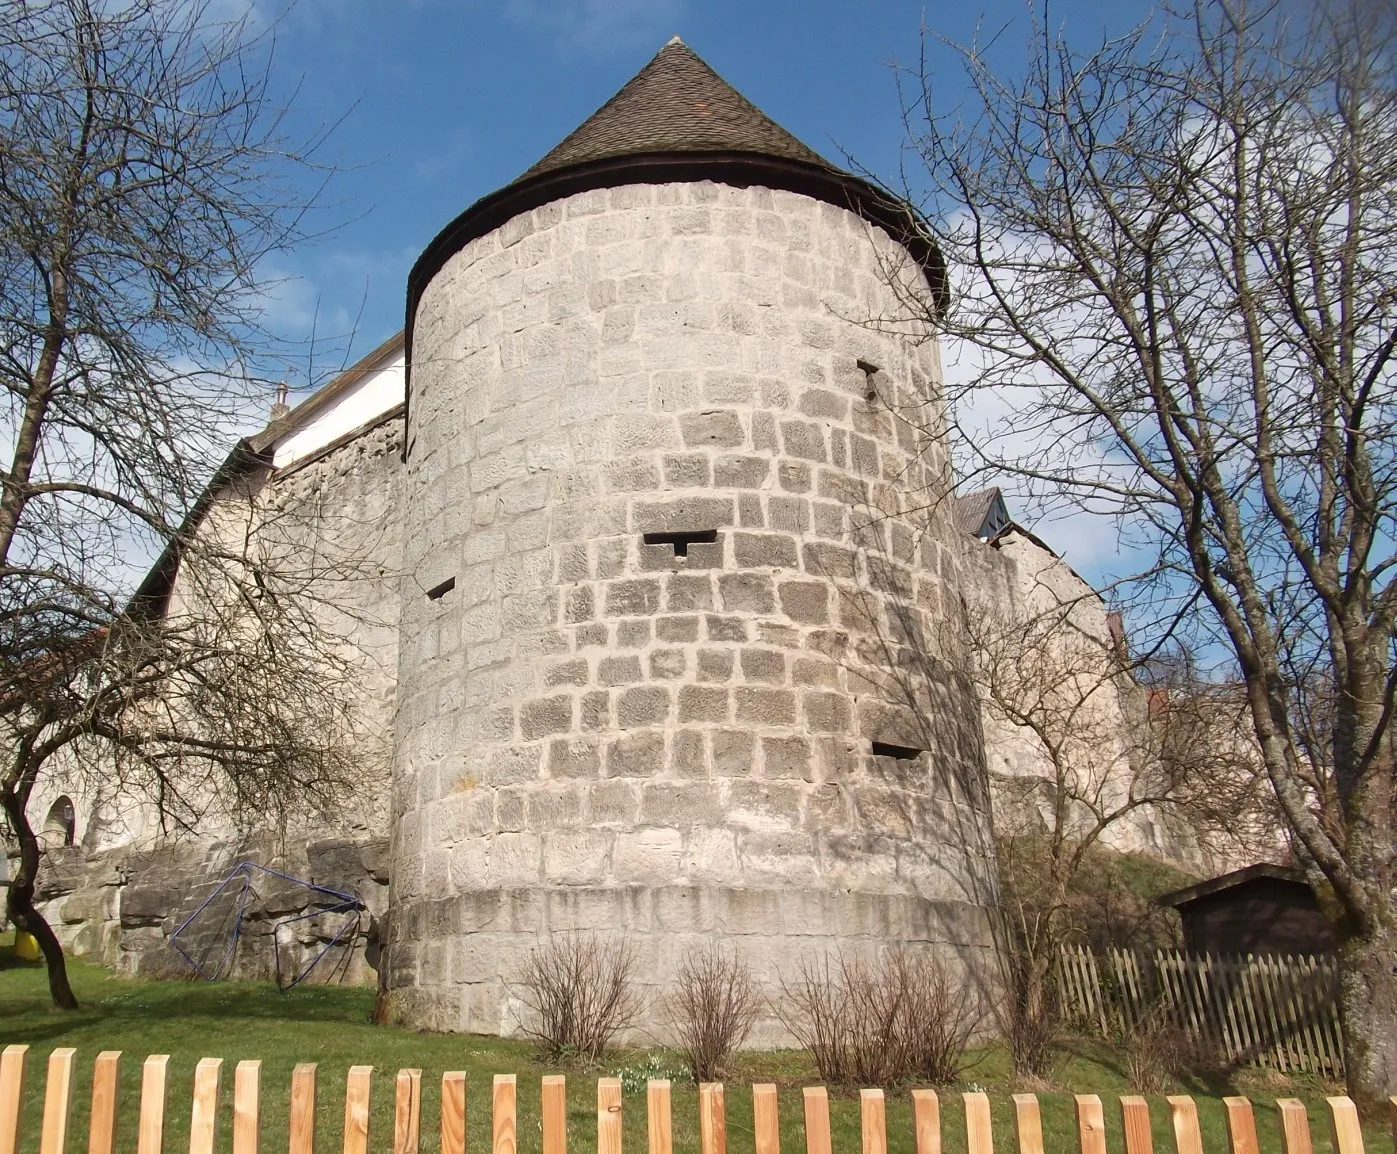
pixel 280 408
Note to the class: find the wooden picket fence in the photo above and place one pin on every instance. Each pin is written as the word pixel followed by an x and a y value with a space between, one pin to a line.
pixel 1278 1011
pixel 1091 1124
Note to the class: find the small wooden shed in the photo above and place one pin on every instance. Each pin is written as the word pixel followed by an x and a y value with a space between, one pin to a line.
pixel 1263 909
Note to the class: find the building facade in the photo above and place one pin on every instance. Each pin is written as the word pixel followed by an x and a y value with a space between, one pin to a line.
pixel 668 635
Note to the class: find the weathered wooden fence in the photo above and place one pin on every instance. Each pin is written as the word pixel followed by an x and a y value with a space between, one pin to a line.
pixel 407 1126
pixel 1278 1011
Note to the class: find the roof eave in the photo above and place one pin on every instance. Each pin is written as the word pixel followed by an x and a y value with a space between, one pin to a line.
pixel 737 169
pixel 1217 885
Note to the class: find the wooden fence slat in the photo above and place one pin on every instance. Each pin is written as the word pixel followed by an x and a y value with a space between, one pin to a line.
pixel 453 1112
pixel 1028 1124
pixel 766 1120
pixel 1091 1124
pixel 1295 1126
pixel 203 1114
pixel 1273 1016
pixel 608 1116
pixel 817 1120
pixel 1241 1126
pixel 1236 1021
pixel 150 1132
pixel 11 1096
pixel 247 1104
pixel 1183 1111
pixel 58 1098
pixel 301 1125
pixel 713 1122
pixel 1135 1122
pixel 873 1123
pixel 358 1087
pixel 1343 1121
pixel 407 1112
pixel 553 1105
pixel 979 1133
pixel 926 1115
pixel 1308 996
pixel 1335 1032
pixel 657 1116
pixel 504 1135
pixel 101 1126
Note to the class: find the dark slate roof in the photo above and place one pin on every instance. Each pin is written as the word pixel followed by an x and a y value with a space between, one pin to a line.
pixel 676 103
pixel 970 510
pixel 1239 877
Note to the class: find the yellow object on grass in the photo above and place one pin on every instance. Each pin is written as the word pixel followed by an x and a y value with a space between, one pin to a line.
pixel 26 947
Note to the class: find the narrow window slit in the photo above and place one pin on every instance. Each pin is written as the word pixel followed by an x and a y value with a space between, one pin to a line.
pixel 437 592
pixel 682 541
pixel 901 752
pixel 870 386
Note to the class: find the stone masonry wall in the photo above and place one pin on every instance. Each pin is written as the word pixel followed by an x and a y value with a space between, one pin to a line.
pixel 120 891
pixel 599 733
pixel 1017 581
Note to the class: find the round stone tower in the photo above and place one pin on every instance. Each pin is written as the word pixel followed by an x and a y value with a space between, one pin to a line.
pixel 682 650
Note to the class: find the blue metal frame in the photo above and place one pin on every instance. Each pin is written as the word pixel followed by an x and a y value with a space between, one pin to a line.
pixel 344 903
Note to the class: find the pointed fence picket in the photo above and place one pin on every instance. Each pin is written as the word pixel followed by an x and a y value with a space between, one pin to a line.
pixel 1271 1010
pixel 1345 1133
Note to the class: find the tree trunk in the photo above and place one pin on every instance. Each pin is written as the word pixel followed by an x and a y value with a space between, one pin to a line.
pixel 1368 1001
pixel 19 905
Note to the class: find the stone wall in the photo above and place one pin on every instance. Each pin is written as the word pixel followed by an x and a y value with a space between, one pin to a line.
pixel 600 732
pixel 119 891
pixel 1016 581
pixel 121 907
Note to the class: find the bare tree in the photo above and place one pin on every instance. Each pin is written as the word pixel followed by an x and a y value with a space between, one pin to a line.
pixel 1173 262
pixel 144 177
pixel 1098 754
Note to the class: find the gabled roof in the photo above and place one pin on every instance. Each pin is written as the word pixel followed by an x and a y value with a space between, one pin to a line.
pixel 1239 877
pixel 248 455
pixel 982 513
pixel 326 395
pixel 676 103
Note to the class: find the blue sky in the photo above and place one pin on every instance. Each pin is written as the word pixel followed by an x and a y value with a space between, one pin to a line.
pixel 446 100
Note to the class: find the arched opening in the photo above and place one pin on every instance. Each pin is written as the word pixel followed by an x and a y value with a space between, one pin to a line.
pixel 60 825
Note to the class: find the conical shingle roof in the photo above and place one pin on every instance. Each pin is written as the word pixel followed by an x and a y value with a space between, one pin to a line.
pixel 675 121
pixel 676 103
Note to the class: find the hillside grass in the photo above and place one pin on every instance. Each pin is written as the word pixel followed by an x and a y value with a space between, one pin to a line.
pixel 330 1026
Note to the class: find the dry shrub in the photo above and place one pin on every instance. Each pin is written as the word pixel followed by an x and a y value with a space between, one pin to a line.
pixel 1159 1052
pixel 876 1023
pixel 713 1010
pixel 581 990
pixel 1027 1011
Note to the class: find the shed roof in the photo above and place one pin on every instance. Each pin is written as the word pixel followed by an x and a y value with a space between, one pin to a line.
pixel 1229 881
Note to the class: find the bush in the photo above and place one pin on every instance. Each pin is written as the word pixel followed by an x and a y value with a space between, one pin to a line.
pixel 580 989
pixel 896 1019
pixel 713 1010
pixel 1159 1052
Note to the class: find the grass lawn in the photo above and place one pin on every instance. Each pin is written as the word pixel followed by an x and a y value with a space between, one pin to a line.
pixel 330 1026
